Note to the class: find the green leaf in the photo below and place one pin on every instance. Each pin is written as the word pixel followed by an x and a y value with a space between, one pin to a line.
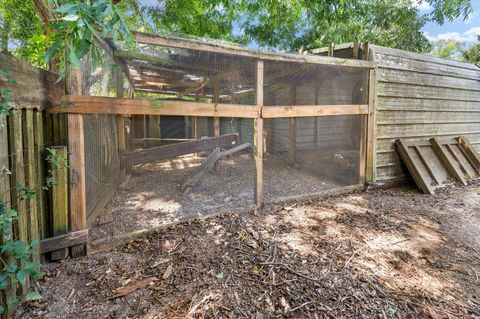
pixel 219 275
pixel 22 276
pixel 13 304
pixel 2 310
pixel 68 8
pixel 33 295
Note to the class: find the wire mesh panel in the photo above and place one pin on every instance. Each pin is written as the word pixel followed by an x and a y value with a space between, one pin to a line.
pixel 309 155
pixel 102 162
pixel 293 83
pixel 184 179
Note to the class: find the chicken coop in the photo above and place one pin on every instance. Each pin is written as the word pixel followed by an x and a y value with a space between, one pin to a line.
pixel 196 128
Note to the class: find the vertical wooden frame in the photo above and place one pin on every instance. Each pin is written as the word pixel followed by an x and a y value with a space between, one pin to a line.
pixel 258 139
pixel 78 199
pixel 370 171
pixel 120 121
pixel 292 128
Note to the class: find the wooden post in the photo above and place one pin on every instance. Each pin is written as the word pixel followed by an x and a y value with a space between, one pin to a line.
pixel 78 198
pixel 59 200
pixel 371 128
pixel 258 139
pixel 10 292
pixel 315 138
pixel 120 126
pixel 216 120
pixel 39 156
pixel 292 129
pixel 76 155
pixel 31 179
pixel 18 178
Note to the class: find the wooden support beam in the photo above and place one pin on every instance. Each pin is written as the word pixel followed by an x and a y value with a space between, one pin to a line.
pixel 470 153
pixel 258 139
pixel 313 110
pixel 447 159
pixel 160 153
pixel 216 120
pixel 371 127
pixel 243 51
pixel 59 202
pixel 78 200
pixel 108 105
pixel 292 128
pixel 39 156
pixel 63 242
pixel 120 122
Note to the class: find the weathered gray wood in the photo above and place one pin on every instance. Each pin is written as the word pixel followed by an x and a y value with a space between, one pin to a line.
pixel 173 150
pixel 64 241
pixel 470 152
pixel 411 77
pixel 426 105
pixel 422 179
pixel 448 161
pixel 427 91
pixel 421 57
pixel 32 87
pixel 395 62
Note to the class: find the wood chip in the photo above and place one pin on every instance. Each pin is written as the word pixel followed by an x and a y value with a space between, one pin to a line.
pixel 123 291
pixel 168 272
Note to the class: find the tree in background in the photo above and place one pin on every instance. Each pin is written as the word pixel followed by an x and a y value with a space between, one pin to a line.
pixel 447 49
pixel 291 24
pixel 472 54
pixel 280 24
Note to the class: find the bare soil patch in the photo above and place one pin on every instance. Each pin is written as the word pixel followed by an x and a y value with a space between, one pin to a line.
pixel 378 254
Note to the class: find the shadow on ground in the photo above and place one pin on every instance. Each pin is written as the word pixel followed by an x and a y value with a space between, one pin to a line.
pixel 378 254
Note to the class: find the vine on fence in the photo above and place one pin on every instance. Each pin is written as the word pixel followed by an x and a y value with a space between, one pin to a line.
pixel 16 258
pixel 57 162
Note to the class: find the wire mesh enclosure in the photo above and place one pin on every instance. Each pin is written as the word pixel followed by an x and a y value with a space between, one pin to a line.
pixel 213 131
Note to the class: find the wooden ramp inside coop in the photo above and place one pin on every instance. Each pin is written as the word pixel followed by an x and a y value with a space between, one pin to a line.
pixel 436 163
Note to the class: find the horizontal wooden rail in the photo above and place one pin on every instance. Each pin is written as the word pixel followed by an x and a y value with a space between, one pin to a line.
pixel 64 241
pixel 124 106
pixel 313 110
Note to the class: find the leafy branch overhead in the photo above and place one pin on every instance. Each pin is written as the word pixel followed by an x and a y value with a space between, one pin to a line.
pixel 78 28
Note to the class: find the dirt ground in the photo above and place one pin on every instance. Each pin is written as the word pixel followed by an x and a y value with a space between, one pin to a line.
pixel 153 197
pixel 377 254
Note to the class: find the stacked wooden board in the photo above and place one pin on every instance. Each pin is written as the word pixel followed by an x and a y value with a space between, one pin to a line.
pixel 435 163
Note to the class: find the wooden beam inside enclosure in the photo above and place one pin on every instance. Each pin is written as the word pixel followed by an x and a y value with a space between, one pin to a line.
pixel 292 128
pixel 258 139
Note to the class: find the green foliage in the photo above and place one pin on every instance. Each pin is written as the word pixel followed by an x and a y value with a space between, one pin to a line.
pixel 5 97
pixel 291 24
pixel 16 257
pixel 80 28
pixel 472 54
pixel 450 49
pixel 56 162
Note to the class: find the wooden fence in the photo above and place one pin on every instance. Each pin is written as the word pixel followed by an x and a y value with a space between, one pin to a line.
pixel 27 132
